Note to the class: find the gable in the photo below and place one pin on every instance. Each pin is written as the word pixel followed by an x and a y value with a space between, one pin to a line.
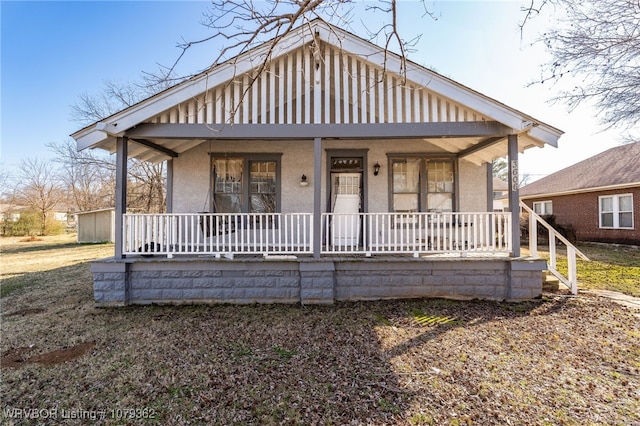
pixel 298 88
pixel 320 75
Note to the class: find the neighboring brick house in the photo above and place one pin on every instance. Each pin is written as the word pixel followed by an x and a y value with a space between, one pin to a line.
pixel 599 197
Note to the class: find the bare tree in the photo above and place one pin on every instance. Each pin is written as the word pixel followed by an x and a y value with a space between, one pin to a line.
pixel 86 172
pixel 39 189
pixel 88 176
pixel 598 43
pixel 241 25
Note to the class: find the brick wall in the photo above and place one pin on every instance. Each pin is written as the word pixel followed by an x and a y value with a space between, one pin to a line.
pixel 581 211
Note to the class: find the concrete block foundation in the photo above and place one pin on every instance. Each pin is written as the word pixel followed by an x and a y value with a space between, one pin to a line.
pixel 312 281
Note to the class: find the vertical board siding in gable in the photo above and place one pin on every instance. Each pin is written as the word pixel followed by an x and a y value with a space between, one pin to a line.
pixel 343 89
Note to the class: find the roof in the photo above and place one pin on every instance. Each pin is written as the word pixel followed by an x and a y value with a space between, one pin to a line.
pixel 95 211
pixel 617 167
pixel 425 97
pixel 499 185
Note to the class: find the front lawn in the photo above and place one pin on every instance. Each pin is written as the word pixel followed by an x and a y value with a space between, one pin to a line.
pixel 559 360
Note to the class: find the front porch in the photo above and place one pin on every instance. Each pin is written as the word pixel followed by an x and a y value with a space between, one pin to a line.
pixel 270 258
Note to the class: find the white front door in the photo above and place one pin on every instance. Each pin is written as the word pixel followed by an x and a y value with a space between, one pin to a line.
pixel 345 206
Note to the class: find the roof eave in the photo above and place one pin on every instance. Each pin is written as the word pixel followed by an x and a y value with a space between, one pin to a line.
pixel 581 190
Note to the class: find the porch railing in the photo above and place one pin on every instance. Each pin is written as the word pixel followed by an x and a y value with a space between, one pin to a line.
pixel 416 233
pixel 291 233
pixel 205 233
pixel 571 280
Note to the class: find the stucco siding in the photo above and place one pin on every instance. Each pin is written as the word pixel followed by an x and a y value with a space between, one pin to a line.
pixel 192 172
pixel 472 184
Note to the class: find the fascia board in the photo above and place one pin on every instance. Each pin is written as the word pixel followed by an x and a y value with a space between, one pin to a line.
pixel 547 134
pixel 89 139
pixel 198 85
pixel 443 86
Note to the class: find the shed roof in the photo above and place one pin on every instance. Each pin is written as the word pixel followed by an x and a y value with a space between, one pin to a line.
pixel 614 168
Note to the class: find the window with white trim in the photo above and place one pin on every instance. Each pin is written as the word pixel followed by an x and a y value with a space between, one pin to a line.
pixel 543 207
pixel 616 211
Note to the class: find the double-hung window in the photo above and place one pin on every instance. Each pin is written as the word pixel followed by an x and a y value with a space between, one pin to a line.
pixel 245 183
pixel 616 211
pixel 421 184
pixel 543 207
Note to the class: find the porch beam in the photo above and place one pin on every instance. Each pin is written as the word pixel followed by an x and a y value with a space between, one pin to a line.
pixel 514 193
pixel 489 129
pixel 121 193
pixel 317 197
pixel 480 146
pixel 156 147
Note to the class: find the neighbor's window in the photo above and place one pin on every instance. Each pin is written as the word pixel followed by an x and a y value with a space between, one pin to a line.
pixel 543 207
pixel 245 184
pixel 616 211
pixel 420 184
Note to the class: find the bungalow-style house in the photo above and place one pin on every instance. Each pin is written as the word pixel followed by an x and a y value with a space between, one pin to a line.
pixel 599 196
pixel 329 176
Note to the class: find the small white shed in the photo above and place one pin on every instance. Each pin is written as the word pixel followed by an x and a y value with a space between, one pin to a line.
pixel 96 226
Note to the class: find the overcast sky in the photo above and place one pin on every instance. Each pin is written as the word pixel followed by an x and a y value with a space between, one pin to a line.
pixel 54 51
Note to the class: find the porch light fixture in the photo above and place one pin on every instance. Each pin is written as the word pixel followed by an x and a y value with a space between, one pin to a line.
pixel 376 169
pixel 303 180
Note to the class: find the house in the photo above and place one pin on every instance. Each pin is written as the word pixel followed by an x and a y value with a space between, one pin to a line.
pixel 330 176
pixel 599 196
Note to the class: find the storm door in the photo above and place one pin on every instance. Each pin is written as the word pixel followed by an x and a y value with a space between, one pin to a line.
pixel 346 202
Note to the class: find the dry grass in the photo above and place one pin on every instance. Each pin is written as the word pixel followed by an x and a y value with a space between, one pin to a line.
pixel 553 361
pixel 609 267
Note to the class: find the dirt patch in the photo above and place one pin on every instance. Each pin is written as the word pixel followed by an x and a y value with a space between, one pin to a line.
pixel 31 239
pixel 14 358
pixel 25 311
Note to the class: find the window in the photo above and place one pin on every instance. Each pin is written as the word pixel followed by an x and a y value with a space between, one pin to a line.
pixel 420 184
pixel 245 183
pixel 616 211
pixel 543 207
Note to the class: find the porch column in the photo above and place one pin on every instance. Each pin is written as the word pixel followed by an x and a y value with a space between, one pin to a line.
pixel 169 187
pixel 490 187
pixel 514 193
pixel 317 197
pixel 121 192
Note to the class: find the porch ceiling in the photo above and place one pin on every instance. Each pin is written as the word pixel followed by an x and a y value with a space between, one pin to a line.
pixel 478 142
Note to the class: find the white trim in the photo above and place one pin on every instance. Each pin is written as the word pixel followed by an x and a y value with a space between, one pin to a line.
pixel 543 211
pixel 366 52
pixel 615 212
